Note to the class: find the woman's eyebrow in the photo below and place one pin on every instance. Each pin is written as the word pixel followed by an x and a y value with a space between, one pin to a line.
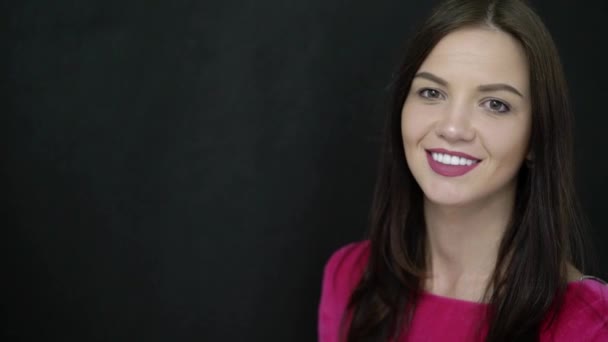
pixel 499 86
pixel 483 88
pixel 431 77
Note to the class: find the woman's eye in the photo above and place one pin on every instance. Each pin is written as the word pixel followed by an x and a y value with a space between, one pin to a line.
pixel 430 93
pixel 497 106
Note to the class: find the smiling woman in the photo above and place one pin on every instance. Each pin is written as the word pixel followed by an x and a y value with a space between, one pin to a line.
pixel 475 232
pixel 464 104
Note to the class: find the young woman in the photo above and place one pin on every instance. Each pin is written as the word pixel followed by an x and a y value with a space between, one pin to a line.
pixel 475 230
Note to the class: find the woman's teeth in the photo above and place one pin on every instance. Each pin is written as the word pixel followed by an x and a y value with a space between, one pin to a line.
pixel 451 160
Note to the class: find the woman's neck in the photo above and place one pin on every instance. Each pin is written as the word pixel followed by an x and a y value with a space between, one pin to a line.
pixel 462 246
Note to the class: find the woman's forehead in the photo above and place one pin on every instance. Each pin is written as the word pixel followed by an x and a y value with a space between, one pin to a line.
pixel 481 55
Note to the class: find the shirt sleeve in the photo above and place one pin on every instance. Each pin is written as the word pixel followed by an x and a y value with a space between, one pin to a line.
pixel 585 316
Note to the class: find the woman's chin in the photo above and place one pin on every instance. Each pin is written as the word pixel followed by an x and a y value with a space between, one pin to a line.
pixel 449 200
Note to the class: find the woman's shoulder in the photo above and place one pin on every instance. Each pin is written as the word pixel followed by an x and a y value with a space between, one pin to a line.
pixel 342 272
pixel 584 314
pixel 589 294
pixel 345 266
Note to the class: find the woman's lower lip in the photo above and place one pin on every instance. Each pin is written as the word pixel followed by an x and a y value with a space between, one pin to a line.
pixel 449 170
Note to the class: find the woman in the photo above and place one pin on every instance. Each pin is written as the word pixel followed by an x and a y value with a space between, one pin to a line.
pixel 475 230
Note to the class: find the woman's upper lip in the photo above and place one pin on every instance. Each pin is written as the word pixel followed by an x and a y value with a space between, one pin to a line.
pixel 453 153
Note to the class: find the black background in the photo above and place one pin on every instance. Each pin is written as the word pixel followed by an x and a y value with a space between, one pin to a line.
pixel 181 170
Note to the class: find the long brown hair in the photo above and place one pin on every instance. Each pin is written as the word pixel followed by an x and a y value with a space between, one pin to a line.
pixel 546 228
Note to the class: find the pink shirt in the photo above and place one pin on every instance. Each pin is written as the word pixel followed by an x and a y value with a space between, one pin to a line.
pixel 584 316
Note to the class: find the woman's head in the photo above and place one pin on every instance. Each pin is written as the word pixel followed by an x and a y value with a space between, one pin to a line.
pixel 514 48
pixel 466 119
pixel 483 78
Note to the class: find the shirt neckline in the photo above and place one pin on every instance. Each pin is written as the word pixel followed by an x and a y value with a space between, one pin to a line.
pixel 432 296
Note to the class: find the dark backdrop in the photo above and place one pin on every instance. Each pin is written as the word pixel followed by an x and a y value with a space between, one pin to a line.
pixel 181 170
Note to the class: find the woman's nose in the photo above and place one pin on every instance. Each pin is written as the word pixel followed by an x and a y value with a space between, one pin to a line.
pixel 455 124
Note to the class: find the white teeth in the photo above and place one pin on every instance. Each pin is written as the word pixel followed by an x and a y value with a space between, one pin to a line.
pixel 451 160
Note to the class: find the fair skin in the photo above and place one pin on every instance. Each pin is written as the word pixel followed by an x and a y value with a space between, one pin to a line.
pixel 470 95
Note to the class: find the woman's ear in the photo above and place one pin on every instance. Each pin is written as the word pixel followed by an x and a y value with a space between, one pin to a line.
pixel 530 156
pixel 530 159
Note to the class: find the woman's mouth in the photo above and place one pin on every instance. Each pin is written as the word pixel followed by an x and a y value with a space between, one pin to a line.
pixel 450 163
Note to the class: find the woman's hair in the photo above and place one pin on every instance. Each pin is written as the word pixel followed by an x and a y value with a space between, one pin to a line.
pixel 545 231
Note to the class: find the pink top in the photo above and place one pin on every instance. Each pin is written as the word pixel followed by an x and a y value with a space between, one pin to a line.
pixel 584 316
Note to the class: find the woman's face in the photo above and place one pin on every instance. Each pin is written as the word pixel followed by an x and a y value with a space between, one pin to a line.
pixel 466 120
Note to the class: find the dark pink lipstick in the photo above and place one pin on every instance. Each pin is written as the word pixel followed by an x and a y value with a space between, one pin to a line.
pixel 450 170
